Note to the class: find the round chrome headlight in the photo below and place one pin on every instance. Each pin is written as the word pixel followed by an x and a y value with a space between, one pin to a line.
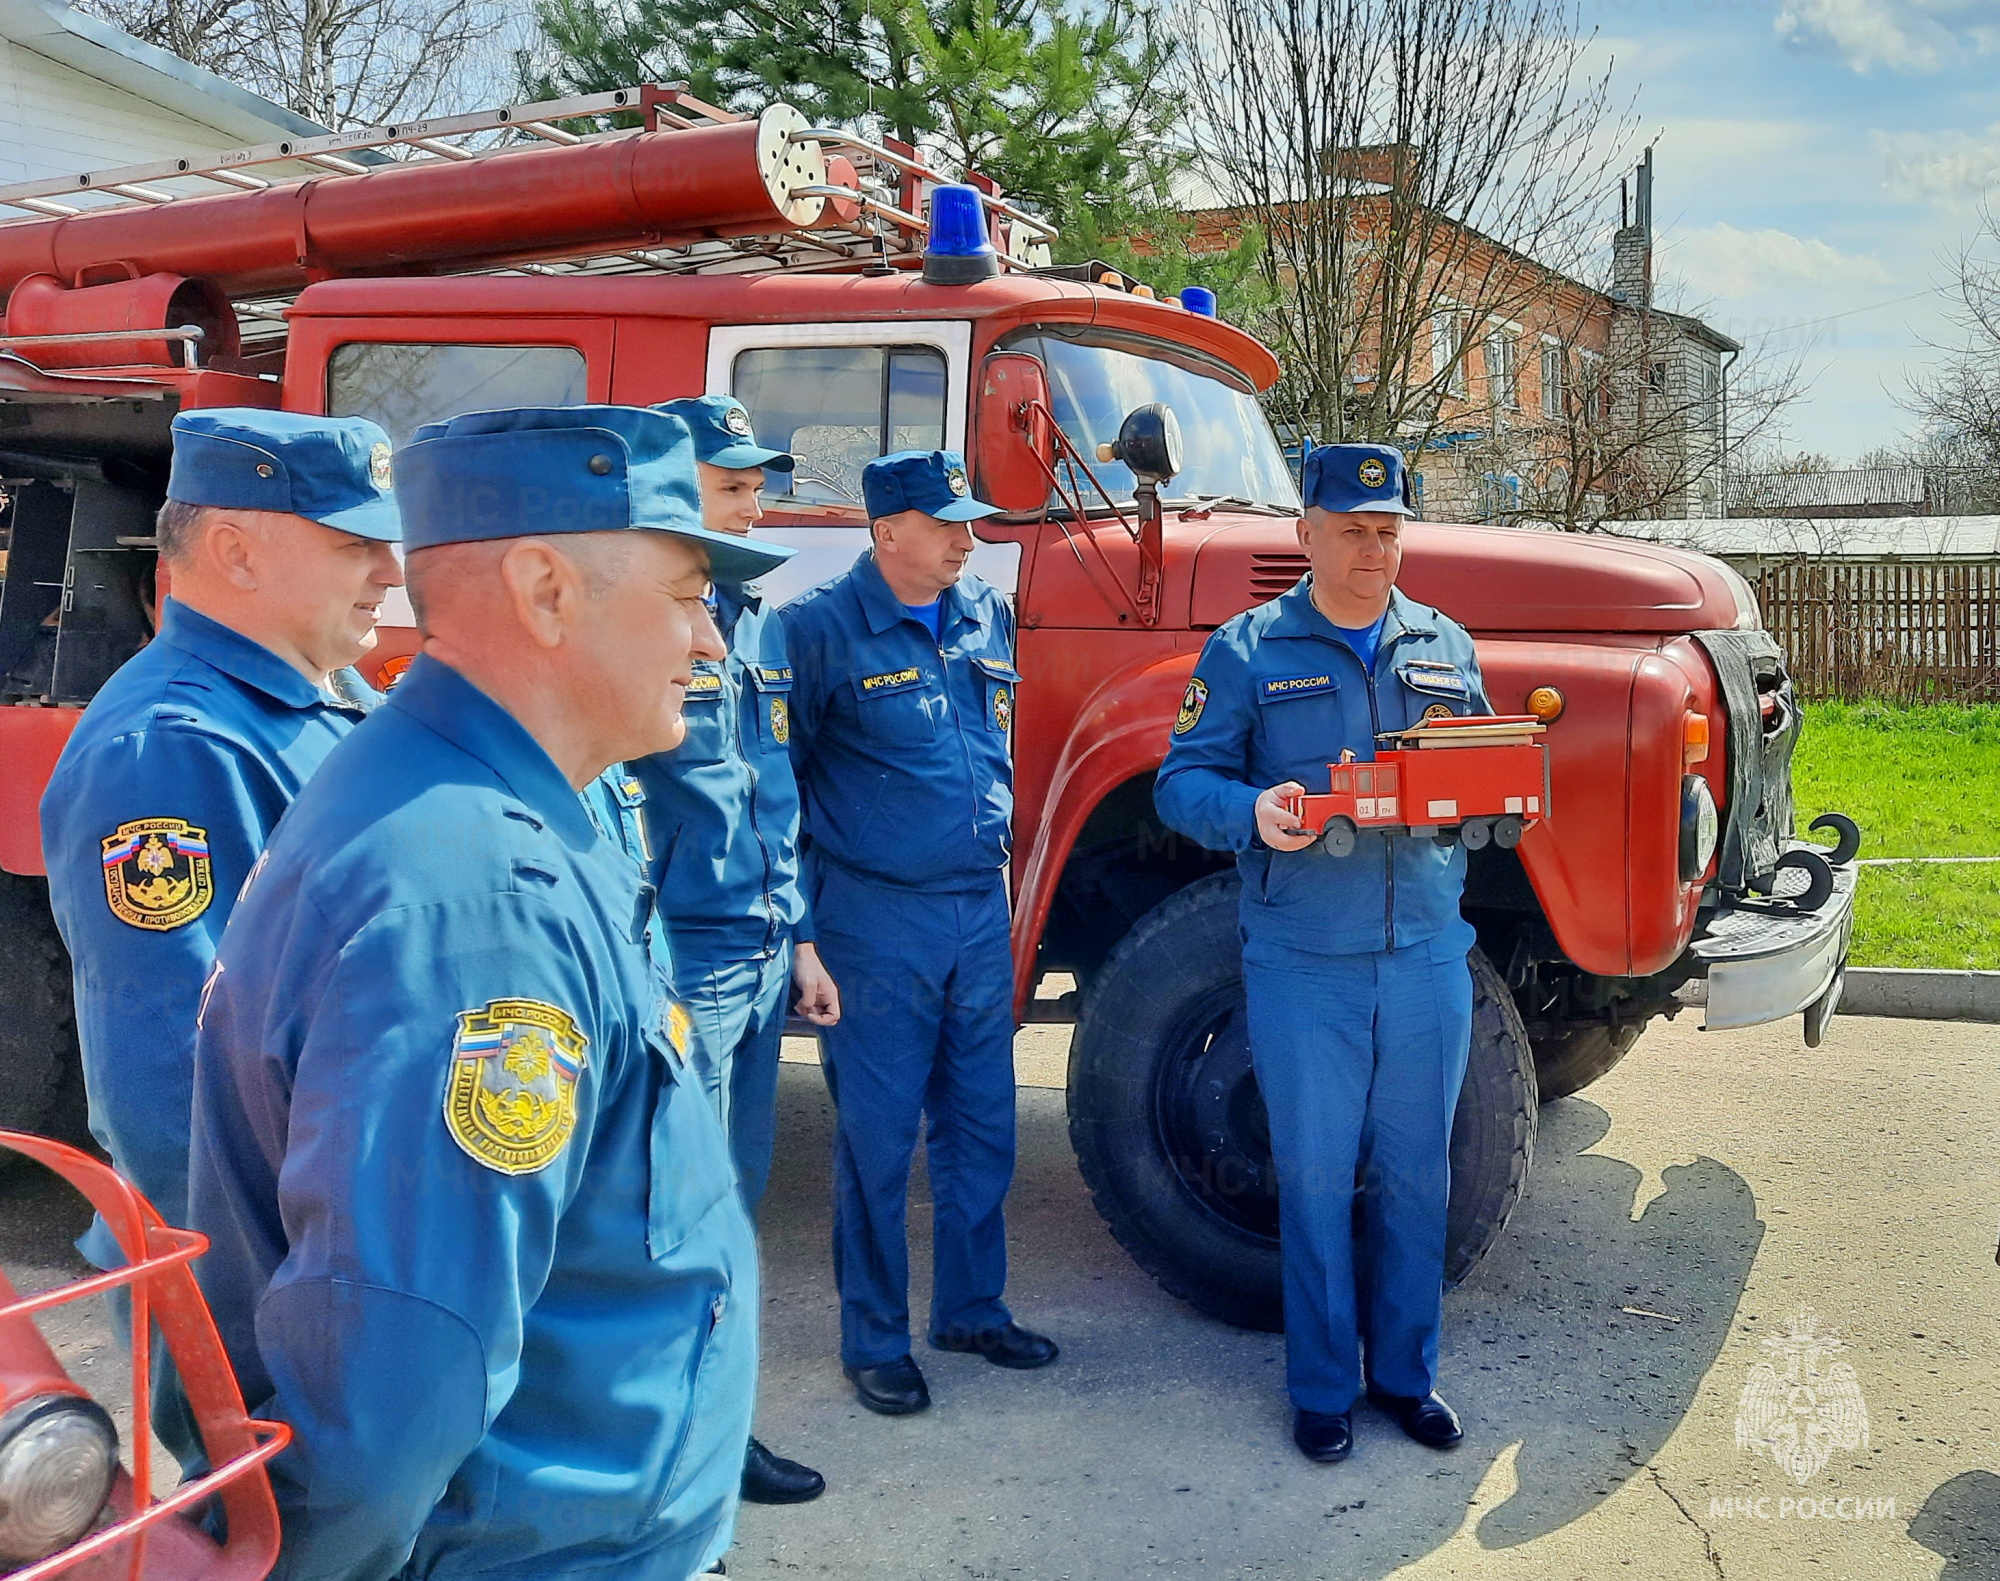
pixel 1700 827
pixel 58 1459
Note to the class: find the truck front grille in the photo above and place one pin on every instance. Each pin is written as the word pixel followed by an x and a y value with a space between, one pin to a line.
pixel 1272 574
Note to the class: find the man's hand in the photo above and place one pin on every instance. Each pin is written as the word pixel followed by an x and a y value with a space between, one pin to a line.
pixel 819 996
pixel 1277 827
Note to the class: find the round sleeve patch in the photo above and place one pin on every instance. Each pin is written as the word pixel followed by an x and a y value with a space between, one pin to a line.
pixel 511 1100
pixel 1193 701
pixel 156 873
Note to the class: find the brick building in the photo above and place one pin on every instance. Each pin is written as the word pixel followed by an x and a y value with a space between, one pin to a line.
pixel 1549 398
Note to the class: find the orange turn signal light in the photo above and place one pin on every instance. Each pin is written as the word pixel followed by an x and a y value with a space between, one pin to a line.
pixel 1694 739
pixel 1546 704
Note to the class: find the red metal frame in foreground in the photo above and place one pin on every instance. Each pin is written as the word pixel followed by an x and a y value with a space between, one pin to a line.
pixel 144 1541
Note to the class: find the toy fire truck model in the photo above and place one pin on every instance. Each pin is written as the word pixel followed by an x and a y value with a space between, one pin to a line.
pixel 1480 781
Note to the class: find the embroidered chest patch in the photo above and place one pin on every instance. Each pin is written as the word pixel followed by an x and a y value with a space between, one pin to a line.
pixel 511 1100
pixel 1278 686
pixel 706 684
pixel 781 720
pixel 156 873
pixel 891 678
pixel 1003 707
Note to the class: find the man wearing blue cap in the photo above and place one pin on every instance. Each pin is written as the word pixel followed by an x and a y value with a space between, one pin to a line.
pixel 723 812
pixel 900 720
pixel 1360 1001
pixel 476 1236
pixel 276 545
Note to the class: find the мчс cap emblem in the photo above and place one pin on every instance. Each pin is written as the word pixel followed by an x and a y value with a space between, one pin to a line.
pixel 511 1100
pixel 1373 474
pixel 737 421
pixel 956 479
pixel 156 873
pixel 379 471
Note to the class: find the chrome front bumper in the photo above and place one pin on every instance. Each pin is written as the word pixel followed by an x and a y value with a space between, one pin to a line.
pixel 1764 962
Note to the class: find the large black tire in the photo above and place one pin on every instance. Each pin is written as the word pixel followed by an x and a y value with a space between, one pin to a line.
pixel 1578 1054
pixel 39 1066
pixel 1170 1130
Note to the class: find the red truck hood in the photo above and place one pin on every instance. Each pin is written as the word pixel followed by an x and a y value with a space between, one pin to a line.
pixel 1493 579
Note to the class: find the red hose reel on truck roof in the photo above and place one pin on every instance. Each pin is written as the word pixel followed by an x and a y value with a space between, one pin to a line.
pixel 67 1507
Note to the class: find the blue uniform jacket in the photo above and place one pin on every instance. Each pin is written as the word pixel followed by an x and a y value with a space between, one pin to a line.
pixel 476 1236
pixel 1276 695
pixel 722 808
pixel 159 805
pixel 901 742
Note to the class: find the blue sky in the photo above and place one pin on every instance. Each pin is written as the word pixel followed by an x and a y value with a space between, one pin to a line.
pixel 1816 160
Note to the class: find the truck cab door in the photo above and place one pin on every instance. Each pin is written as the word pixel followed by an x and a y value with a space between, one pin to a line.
pixel 836 396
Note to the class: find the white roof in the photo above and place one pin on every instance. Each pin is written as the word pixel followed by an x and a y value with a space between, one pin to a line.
pixel 1862 537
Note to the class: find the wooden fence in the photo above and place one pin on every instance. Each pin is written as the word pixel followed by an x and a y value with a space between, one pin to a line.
pixel 1899 632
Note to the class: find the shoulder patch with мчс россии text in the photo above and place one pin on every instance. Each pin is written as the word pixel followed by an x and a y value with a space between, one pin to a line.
pixel 511 1100
pixel 156 873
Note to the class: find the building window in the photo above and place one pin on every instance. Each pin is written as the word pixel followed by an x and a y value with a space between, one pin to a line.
pixel 1499 496
pixel 1503 372
pixel 1708 376
pixel 1447 334
pixel 1656 376
pixel 1553 368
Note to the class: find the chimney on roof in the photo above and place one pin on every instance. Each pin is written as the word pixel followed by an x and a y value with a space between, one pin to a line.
pixel 1393 165
pixel 1632 246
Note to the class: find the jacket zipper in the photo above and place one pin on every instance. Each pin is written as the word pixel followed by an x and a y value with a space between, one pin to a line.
pixel 1388 840
pixel 756 823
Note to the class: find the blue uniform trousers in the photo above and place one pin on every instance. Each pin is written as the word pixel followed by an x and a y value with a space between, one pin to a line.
pixel 738 1008
pixel 926 1032
pixel 1360 1058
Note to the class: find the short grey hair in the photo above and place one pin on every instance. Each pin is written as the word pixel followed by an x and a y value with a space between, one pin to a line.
pixel 176 528
pixel 602 559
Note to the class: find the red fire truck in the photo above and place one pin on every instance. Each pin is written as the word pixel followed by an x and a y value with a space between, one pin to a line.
pixel 511 258
pixel 1492 789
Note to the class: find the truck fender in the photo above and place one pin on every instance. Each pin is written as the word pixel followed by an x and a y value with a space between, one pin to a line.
pixel 1120 733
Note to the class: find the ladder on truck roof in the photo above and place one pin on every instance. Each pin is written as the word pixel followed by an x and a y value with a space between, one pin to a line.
pixel 876 218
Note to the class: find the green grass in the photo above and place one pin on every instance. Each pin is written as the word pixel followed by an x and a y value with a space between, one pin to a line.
pixel 1921 781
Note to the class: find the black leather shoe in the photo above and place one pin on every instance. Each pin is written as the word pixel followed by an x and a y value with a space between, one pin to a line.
pixel 895 1388
pixel 1428 1420
pixel 771 1479
pixel 1012 1346
pixel 1323 1437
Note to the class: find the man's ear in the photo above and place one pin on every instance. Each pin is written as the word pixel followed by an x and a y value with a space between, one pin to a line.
pixel 1305 533
pixel 543 587
pixel 228 547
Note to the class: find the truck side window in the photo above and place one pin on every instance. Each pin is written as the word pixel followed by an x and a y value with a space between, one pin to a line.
pixel 837 408
pixel 402 386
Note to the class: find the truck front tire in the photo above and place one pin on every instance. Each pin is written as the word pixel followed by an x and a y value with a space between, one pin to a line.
pixel 1575 1055
pixel 41 1077
pixel 1170 1131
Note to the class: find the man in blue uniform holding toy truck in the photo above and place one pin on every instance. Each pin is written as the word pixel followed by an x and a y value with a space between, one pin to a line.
pixel 1354 967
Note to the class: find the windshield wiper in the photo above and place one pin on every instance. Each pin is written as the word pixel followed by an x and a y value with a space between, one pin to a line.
pixel 1233 501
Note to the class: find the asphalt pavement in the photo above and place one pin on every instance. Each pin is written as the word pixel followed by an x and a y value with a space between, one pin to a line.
pixel 1691 1218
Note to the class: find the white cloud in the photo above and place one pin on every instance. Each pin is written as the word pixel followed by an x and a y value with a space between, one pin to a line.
pixel 1898 35
pixel 1727 264
pixel 1954 171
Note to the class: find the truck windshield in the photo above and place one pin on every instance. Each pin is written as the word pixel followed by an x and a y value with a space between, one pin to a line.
pixel 1229 449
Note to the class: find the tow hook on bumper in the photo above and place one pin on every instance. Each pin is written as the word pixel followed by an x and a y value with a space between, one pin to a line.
pixel 1765 960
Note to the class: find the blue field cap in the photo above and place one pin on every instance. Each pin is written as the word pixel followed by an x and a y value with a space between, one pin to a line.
pixel 331 470
pixel 538 471
pixel 931 481
pixel 722 433
pixel 1356 478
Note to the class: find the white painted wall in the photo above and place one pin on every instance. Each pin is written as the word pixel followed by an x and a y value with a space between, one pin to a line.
pixel 76 96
